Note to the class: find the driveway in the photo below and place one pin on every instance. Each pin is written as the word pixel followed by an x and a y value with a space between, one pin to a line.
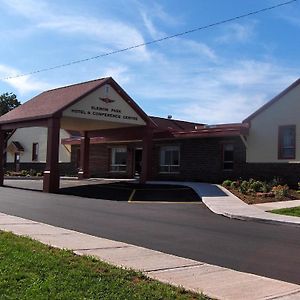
pixel 188 230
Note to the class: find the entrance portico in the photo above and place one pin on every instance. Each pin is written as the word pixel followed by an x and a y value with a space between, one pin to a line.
pixel 89 108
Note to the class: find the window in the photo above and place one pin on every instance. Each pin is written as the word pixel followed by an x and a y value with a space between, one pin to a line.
pixel 228 157
pixel 35 151
pixel 169 159
pixel 287 142
pixel 118 159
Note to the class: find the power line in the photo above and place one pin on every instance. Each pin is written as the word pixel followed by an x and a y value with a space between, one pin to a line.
pixel 152 42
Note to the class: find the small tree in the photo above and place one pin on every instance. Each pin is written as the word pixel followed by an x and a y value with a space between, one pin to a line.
pixel 8 101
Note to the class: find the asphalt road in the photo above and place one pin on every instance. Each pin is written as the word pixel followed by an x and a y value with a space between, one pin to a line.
pixel 187 230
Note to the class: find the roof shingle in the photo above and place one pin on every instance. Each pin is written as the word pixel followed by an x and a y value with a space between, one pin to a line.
pixel 50 102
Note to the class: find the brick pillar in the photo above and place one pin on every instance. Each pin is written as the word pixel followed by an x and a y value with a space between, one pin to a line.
pixel 147 155
pixel 51 173
pixel 84 171
pixel 2 147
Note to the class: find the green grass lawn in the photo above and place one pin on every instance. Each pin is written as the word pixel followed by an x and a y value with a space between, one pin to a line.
pixel 294 211
pixel 31 270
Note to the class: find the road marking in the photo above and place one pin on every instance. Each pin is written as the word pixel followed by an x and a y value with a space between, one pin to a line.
pixel 165 202
pixel 131 196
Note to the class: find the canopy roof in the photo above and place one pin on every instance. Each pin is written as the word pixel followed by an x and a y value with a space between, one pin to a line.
pixel 53 102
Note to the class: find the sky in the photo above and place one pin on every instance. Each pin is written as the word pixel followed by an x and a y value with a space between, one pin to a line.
pixel 217 75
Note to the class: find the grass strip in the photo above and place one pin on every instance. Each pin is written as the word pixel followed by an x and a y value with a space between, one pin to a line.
pixel 32 270
pixel 294 211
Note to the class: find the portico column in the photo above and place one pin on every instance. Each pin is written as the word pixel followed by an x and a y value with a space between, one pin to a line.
pixel 2 139
pixel 84 171
pixel 147 155
pixel 51 173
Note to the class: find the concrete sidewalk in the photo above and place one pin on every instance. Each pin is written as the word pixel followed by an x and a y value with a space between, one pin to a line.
pixel 222 202
pixel 278 205
pixel 214 281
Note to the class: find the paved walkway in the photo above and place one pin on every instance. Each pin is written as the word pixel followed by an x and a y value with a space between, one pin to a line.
pixel 214 281
pixel 278 205
pixel 222 202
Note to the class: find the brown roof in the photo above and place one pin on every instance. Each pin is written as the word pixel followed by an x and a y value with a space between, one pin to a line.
pixel 174 125
pixel 53 102
pixel 163 125
pixel 272 101
pixel 50 102
pixel 221 130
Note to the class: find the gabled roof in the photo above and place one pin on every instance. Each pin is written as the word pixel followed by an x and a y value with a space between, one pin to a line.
pixel 272 101
pixel 51 103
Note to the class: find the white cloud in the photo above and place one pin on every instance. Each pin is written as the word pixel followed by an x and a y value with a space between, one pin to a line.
pixel 225 93
pixel 237 32
pixel 25 84
pixel 119 73
pixel 238 93
pixel 155 34
pixel 110 33
pixel 198 48
pixel 156 11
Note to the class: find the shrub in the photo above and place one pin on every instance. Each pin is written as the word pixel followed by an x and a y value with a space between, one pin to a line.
pixel 256 186
pixel 227 183
pixel 233 185
pixel 244 187
pixel 251 180
pixel 24 173
pixel 265 188
pixel 275 182
pixel 32 172
pixel 280 191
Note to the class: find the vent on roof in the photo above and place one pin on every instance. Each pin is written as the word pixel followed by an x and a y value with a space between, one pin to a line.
pixel 170 117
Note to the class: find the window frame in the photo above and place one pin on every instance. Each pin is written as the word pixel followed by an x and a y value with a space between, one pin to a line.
pixel 169 166
pixel 281 129
pixel 223 157
pixel 35 152
pixel 113 165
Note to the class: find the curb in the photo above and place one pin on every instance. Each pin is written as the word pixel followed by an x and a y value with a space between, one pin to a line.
pixel 244 217
pixel 178 271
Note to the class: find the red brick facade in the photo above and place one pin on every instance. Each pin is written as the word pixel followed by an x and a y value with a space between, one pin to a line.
pixel 200 159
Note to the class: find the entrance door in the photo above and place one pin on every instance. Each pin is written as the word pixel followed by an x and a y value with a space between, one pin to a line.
pixel 138 161
pixel 17 161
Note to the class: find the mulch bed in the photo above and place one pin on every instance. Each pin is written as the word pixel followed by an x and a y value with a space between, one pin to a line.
pixel 254 199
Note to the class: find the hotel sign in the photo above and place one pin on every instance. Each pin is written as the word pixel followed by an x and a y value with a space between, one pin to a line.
pixel 104 106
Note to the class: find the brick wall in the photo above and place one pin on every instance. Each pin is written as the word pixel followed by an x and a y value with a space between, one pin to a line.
pixel 201 159
pixel 100 159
